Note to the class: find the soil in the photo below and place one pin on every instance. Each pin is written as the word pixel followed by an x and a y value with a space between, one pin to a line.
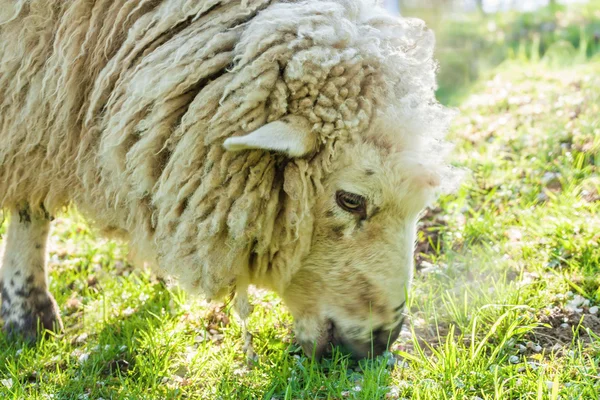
pixel 561 328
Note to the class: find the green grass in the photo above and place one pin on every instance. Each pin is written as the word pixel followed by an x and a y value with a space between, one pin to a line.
pixel 501 264
pixel 471 45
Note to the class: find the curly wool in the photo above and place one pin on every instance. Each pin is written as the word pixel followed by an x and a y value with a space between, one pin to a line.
pixel 126 119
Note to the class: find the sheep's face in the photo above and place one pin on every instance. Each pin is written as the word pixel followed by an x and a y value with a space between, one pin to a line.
pixel 351 289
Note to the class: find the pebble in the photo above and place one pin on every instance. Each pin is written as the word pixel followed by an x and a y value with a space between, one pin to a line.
pixel 83 358
pixel 556 347
pixel 513 359
pixel 594 310
pixel 7 383
pixel 522 349
pixel 81 338
pixel 564 325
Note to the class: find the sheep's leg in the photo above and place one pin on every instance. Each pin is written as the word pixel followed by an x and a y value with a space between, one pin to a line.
pixel 243 308
pixel 26 301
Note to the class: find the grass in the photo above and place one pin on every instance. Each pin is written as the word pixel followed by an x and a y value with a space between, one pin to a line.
pixel 502 305
pixel 471 45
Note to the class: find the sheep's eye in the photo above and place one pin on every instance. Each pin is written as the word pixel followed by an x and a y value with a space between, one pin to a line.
pixel 352 202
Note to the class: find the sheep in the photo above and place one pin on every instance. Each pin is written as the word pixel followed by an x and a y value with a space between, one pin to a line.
pixel 289 145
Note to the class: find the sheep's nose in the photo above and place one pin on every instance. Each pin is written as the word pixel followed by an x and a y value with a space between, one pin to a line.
pixel 379 342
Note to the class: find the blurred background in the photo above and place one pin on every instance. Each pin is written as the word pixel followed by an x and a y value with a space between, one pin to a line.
pixel 474 36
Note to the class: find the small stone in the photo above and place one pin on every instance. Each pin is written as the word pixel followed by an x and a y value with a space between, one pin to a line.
pixel 537 348
pixel 393 393
pixel 594 310
pixel 556 347
pixel 83 358
pixel 7 383
pixel 73 304
pixel 549 385
pixel 81 338
pixel 199 338
pixel 513 359
pixel 564 325
pixel 522 349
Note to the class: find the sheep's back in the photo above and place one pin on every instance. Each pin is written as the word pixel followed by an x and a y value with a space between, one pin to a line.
pixel 90 89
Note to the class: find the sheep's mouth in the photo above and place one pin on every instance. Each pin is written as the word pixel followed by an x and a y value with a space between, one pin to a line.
pixel 332 338
pixel 324 346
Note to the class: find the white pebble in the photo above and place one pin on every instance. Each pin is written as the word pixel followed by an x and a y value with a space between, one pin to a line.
pixel 549 385
pixel 564 325
pixel 537 348
pixel 513 359
pixel 7 382
pixel 594 310
pixel 83 358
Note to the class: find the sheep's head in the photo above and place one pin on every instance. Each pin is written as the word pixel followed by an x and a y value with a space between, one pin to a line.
pixel 351 288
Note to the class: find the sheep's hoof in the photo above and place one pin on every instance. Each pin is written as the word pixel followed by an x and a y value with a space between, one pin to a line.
pixel 26 318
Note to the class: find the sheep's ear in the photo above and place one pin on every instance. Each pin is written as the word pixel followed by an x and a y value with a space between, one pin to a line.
pixel 290 135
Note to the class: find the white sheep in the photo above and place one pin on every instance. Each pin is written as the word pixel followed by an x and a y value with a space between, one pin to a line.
pixel 285 144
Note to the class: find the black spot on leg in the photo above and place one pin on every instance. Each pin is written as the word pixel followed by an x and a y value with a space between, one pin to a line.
pixel 38 246
pixel 17 273
pixel 24 216
pixel 369 172
pixel 29 280
pixel 25 291
pixel 5 296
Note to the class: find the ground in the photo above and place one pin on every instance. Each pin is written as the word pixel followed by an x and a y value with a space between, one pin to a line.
pixel 505 302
